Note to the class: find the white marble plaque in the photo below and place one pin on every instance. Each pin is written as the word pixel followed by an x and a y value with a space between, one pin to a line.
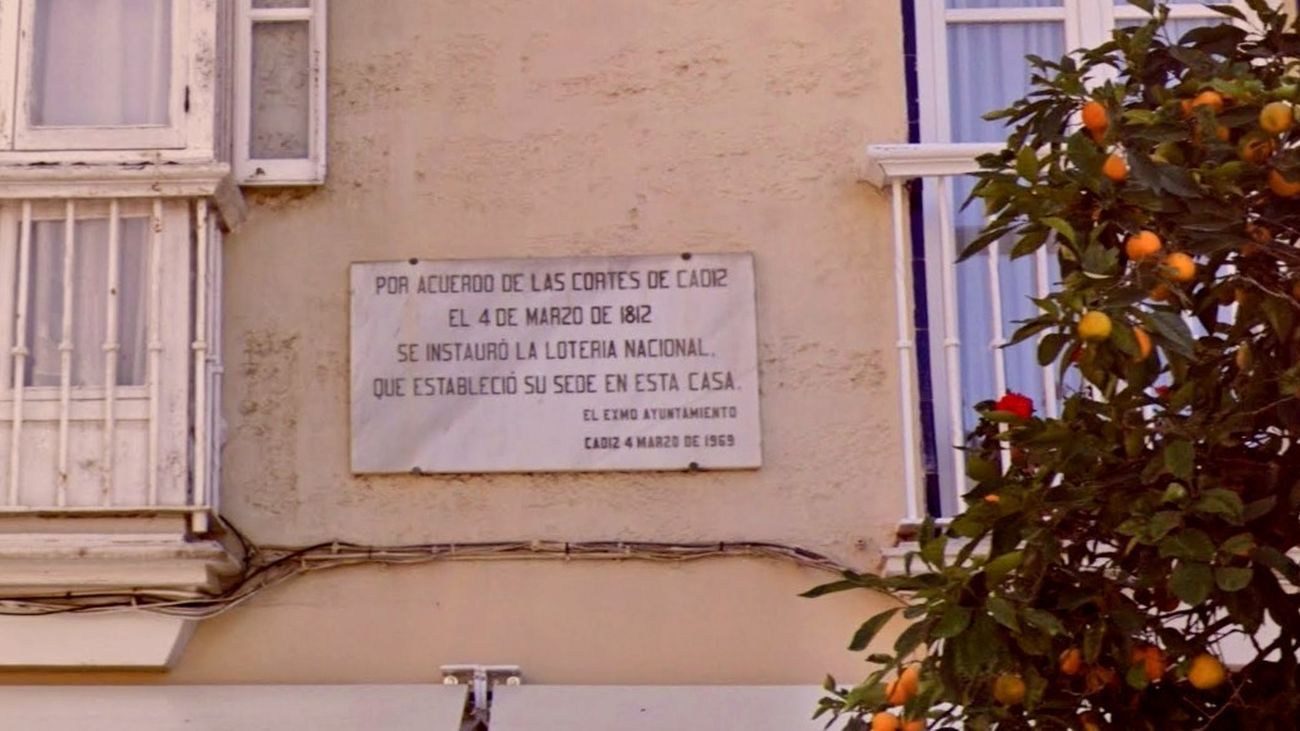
pixel 594 363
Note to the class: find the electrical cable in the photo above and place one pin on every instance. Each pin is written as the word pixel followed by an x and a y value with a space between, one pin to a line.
pixel 264 567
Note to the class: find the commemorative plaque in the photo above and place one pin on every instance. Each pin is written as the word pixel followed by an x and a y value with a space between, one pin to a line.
pixel 573 364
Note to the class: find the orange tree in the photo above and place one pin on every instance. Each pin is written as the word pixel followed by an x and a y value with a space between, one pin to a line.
pixel 1097 572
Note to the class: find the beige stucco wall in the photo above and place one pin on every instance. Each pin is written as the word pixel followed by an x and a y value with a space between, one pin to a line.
pixel 508 128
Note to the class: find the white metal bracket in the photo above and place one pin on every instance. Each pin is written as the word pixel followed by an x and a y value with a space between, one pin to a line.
pixel 481 679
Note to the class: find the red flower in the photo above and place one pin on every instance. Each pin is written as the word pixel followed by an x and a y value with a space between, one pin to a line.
pixel 1016 403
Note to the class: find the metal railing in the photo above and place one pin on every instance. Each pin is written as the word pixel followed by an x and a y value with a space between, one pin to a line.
pixel 120 445
pixel 928 174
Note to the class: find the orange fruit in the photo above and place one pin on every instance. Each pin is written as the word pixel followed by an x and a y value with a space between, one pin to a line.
pixel 1089 722
pixel 1295 289
pixel 1206 672
pixel 1009 689
pixel 1255 148
pixel 884 721
pixel 1223 133
pixel 1179 267
pixel 1071 661
pixel 1161 293
pixel 1094 326
pixel 1152 661
pixel 1244 357
pixel 1098 678
pixel 1095 119
pixel 902 690
pixel 1281 186
pixel 1144 350
pixel 1186 107
pixel 1143 245
pixel 1276 117
pixel 1208 98
pixel 916 724
pixel 1262 234
pixel 1115 169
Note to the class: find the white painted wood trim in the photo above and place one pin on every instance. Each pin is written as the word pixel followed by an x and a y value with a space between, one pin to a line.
pixel 111 347
pixel 66 346
pixel 199 354
pixel 1005 15
pixel 657 708
pixel 260 707
pixel 884 164
pixel 171 135
pixel 58 182
pixel 128 641
pixel 8 70
pixel 286 171
pixel 19 355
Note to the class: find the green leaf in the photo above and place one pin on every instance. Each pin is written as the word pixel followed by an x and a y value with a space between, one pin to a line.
pixel 1238 545
pixel 1228 10
pixel 1136 677
pixel 1027 164
pixel 911 638
pixel 1100 262
pixel 1061 227
pixel 1160 525
pixel 1050 347
pixel 1280 315
pixel 1221 502
pixel 1044 620
pixel 1190 544
pixel 1172 328
pixel 932 551
pixel 870 628
pixel 1259 508
pixel 830 588
pixel 1180 459
pixel 998 567
pixel 954 620
pixel 1276 560
pixel 1003 612
pixel 1230 578
pixel 1192 582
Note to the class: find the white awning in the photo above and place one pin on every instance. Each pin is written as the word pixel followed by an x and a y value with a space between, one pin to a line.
pixel 655 708
pixel 231 707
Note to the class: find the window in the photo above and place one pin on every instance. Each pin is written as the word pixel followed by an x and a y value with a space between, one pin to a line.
pixel 176 81
pixel 280 92
pixel 98 74
pixel 970 60
pixel 76 275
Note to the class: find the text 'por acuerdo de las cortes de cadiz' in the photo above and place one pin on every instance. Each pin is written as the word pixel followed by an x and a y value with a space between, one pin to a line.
pixel 565 364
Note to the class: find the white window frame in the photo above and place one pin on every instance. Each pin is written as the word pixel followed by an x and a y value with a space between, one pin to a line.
pixel 171 135
pixel 192 134
pixel 280 171
pixel 1086 23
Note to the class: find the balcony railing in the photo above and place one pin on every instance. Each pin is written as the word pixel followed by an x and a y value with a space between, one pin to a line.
pixel 108 399
pixel 953 319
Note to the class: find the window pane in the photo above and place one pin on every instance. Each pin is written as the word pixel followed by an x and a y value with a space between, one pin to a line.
pixel 1176 27
pixel 101 63
pixel 280 3
pixel 987 70
pixel 89 294
pixel 281 86
pixel 956 4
